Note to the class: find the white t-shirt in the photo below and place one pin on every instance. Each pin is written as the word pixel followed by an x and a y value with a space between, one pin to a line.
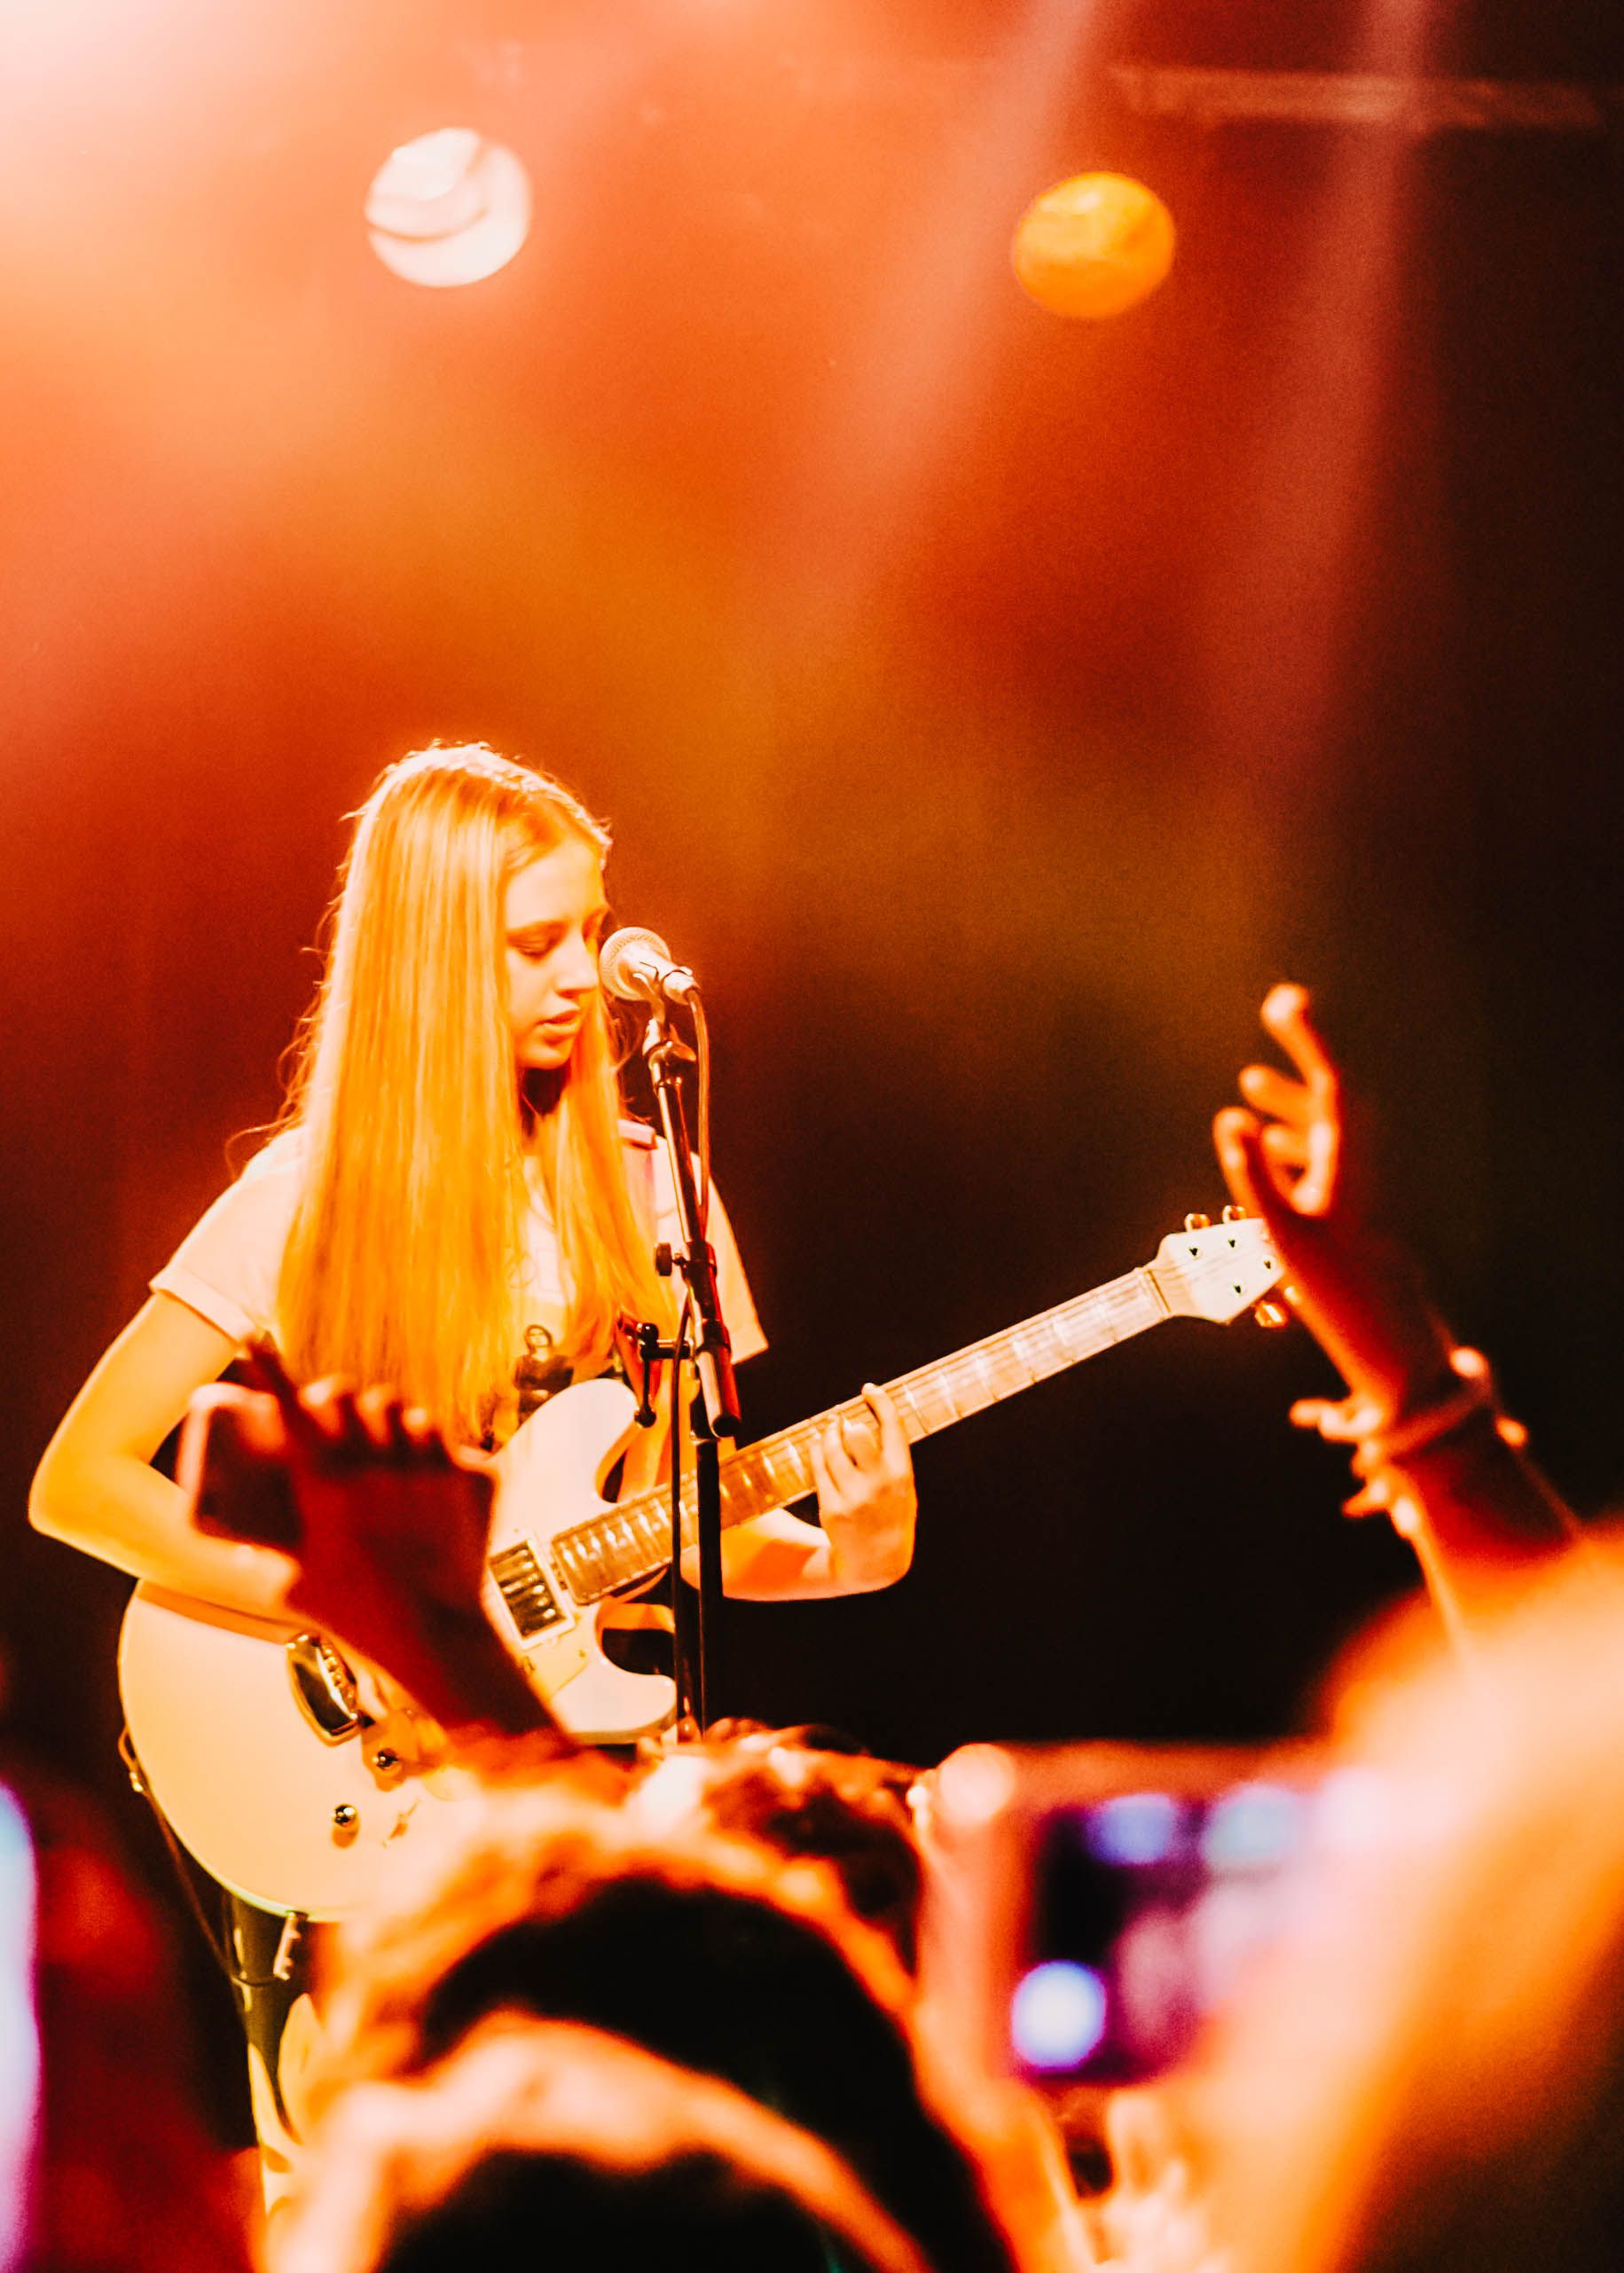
pixel 227 1265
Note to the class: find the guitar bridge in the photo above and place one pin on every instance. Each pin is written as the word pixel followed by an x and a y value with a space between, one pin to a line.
pixel 324 1687
pixel 522 1584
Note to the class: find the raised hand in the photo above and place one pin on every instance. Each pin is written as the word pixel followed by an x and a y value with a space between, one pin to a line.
pixel 386 1525
pixel 1300 1157
pixel 867 1502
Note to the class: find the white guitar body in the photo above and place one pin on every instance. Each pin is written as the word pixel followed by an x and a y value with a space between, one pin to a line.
pixel 289 1773
pixel 295 1820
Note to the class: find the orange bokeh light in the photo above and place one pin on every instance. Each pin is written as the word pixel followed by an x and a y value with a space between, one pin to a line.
pixel 1094 245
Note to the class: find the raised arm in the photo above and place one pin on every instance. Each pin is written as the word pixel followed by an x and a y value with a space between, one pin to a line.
pixel 1429 1445
pixel 389 1525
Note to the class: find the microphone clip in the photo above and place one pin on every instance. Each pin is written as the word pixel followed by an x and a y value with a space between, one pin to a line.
pixel 662 1045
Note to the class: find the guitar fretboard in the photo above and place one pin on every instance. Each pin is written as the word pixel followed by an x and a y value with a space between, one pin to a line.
pixel 632 1541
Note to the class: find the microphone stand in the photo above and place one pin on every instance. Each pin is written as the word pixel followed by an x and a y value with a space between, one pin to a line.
pixel 716 1410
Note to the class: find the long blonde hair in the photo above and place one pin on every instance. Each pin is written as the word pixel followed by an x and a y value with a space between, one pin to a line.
pixel 404 1260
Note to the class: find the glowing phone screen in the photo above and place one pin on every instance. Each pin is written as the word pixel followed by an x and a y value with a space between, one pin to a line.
pixel 1149 1908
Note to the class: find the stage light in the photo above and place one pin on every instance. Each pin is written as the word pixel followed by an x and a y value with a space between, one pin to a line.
pixel 1093 245
pixel 449 208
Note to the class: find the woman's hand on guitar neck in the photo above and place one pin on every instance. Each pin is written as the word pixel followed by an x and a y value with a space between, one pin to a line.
pixel 387 1525
pixel 1300 1155
pixel 866 1501
pixel 866 1505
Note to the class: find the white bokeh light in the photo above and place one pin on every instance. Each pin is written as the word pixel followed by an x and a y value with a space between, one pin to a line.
pixel 449 208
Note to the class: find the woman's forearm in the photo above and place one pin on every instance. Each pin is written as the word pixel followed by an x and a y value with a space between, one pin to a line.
pixel 124 1512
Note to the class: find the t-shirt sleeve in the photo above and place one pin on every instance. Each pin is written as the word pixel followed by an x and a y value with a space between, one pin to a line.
pixel 738 1304
pixel 227 1266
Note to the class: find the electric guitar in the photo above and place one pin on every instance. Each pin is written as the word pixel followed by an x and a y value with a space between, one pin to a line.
pixel 288 1772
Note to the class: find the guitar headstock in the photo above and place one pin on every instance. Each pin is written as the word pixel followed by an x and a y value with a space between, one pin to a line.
pixel 1216 1270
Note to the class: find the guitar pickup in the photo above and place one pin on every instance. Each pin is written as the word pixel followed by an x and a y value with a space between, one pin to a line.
pixel 522 1584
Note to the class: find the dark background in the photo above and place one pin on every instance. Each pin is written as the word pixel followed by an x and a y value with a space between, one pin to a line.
pixel 990 708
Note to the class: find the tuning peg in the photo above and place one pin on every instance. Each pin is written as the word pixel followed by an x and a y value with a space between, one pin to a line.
pixel 1232 1214
pixel 1197 1223
pixel 1271 1314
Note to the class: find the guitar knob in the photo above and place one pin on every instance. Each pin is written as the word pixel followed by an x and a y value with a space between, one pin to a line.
pixel 346 1822
pixel 1197 1223
pixel 1271 1314
pixel 1232 1214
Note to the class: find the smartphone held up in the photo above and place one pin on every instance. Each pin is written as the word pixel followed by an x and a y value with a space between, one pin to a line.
pixel 1089 1908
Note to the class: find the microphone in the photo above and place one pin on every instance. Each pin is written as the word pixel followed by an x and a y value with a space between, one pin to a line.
pixel 635 965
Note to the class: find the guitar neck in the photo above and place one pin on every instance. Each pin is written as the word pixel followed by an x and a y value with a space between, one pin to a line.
pixel 633 1541
pixel 779 1469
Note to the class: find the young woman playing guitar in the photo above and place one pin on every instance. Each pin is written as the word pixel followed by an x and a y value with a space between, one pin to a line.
pixel 453 1188
pixel 452 1171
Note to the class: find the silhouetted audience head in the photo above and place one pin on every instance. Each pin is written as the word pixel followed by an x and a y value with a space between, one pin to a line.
pixel 805 1791
pixel 533 2133
pixel 707 1949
